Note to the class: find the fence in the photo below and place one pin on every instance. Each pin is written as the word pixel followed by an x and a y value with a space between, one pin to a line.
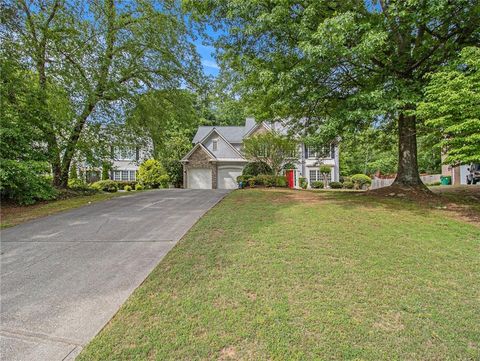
pixel 385 182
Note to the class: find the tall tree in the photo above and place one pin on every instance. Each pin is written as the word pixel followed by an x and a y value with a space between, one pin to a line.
pixel 101 53
pixel 452 107
pixel 329 63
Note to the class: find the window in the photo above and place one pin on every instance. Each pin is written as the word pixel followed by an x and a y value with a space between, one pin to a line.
pixel 127 153
pixel 312 152
pixel 315 175
pixel 132 175
pixel 116 175
pixel 215 144
pixel 124 175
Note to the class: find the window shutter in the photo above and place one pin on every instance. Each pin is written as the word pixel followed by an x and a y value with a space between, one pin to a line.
pixel 306 151
pixel 137 153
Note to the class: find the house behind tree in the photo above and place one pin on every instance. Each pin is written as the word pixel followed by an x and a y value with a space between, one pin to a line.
pixel 216 159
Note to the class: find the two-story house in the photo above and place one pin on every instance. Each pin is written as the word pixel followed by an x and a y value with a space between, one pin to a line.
pixel 216 160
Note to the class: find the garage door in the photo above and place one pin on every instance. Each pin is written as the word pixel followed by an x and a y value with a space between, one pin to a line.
pixel 199 178
pixel 227 177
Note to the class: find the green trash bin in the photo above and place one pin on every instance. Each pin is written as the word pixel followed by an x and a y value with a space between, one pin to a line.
pixel 446 180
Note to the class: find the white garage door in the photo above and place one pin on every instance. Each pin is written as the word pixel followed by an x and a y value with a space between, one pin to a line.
pixel 227 177
pixel 199 178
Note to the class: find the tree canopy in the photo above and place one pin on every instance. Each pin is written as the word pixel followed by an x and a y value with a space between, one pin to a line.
pixel 452 107
pixel 94 58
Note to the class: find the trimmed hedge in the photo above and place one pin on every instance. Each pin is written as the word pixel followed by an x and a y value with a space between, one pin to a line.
pixel 317 184
pixel 348 185
pixel 266 180
pixel 336 185
pixel 106 186
pixel 360 181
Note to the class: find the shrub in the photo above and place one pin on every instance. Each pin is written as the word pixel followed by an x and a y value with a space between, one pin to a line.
pixel 152 175
pixel 361 181
pixel 434 184
pixel 76 183
pixel 138 187
pixel 281 181
pixel 348 185
pixel 25 182
pixel 122 184
pixel 303 182
pixel 164 181
pixel 251 182
pixel 317 184
pixel 127 188
pixel 336 185
pixel 106 186
pixel 256 168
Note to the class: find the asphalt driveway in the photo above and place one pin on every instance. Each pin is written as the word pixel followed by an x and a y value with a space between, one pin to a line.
pixel 63 277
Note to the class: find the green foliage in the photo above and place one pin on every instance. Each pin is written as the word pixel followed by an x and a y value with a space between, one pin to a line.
pixel 452 107
pixel 256 168
pixel 270 148
pixel 325 169
pixel 127 188
pixel 348 185
pixel 336 185
pixel 73 171
pixel 281 181
pixel 106 186
pixel 317 184
pixel 269 180
pixel 122 184
pixel 251 182
pixel 151 174
pixel 105 54
pixel 170 118
pixel 106 171
pixel 25 182
pixel 303 182
pixel 361 181
pixel 76 183
pixel 138 187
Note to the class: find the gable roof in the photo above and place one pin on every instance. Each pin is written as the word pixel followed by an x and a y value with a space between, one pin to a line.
pixel 201 146
pixel 214 130
pixel 232 134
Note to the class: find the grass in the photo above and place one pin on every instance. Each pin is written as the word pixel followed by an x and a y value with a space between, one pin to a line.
pixel 289 275
pixel 11 215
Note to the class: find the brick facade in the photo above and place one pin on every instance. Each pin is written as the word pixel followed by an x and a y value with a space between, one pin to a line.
pixel 200 159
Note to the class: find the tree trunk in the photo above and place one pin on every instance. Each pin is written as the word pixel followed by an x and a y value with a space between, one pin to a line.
pixel 72 144
pixel 407 174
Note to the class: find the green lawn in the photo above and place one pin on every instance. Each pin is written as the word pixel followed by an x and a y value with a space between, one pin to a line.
pixel 291 275
pixel 11 215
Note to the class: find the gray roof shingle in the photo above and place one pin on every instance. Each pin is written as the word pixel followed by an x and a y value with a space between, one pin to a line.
pixel 230 133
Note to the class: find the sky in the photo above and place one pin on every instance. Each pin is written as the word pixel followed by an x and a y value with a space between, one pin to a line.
pixel 210 66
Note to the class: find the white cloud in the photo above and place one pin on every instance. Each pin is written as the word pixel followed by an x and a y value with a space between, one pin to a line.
pixel 210 64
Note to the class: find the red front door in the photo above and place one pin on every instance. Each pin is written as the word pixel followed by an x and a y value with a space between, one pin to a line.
pixel 291 178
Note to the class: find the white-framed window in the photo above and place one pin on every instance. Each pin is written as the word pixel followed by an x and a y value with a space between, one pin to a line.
pixel 124 175
pixel 133 175
pixel 117 175
pixel 315 175
pixel 320 152
pixel 125 153
pixel 215 144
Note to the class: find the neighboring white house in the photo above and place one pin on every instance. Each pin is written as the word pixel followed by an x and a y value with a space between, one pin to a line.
pixel 216 159
pixel 124 163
